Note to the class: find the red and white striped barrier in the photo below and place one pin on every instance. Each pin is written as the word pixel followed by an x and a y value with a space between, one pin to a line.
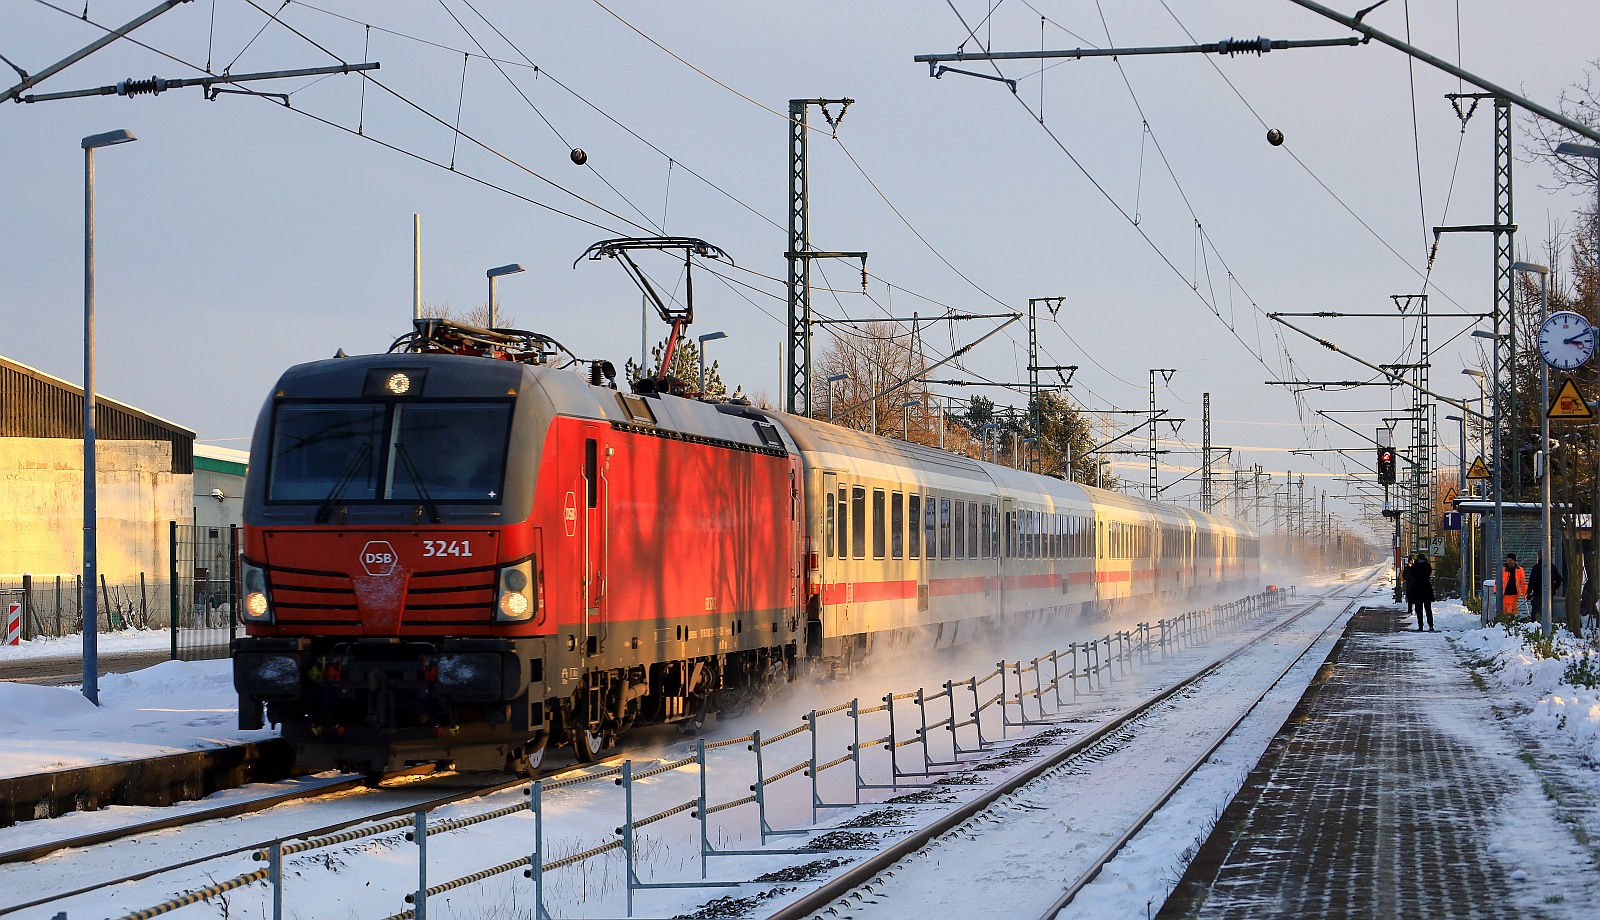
pixel 14 624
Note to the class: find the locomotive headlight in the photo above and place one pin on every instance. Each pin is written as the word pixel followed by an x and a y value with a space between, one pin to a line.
pixel 398 384
pixel 257 598
pixel 517 598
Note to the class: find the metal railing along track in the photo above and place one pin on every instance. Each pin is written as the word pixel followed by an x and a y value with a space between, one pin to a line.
pixel 863 872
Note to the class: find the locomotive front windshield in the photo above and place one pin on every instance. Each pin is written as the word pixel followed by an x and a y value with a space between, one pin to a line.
pixel 438 451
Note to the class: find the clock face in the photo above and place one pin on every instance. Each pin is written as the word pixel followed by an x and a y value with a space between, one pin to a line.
pixel 1566 340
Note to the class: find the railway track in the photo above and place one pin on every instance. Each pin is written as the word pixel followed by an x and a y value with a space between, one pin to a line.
pixel 91 870
pixel 959 835
pixel 76 870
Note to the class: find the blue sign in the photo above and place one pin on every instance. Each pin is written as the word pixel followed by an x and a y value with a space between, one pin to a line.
pixel 1452 520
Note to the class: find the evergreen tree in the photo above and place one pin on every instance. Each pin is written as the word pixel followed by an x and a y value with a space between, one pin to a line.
pixel 685 367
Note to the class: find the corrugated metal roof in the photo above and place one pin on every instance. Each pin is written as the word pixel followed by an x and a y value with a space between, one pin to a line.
pixel 34 404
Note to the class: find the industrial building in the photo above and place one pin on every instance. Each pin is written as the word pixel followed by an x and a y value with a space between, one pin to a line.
pixel 145 478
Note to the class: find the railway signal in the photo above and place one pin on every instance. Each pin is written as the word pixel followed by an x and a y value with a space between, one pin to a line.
pixel 1386 465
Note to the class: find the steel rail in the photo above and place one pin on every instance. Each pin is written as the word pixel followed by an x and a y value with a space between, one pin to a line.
pixel 459 795
pixel 1144 818
pixel 193 816
pixel 830 892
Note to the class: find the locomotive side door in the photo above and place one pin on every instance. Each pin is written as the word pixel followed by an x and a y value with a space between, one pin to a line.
pixel 592 518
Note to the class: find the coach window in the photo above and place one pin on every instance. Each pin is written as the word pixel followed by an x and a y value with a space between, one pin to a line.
pixel 972 530
pixel 844 526
pixel 961 530
pixel 827 531
pixel 897 525
pixel 930 525
pixel 944 528
pixel 858 521
pixel 914 532
pixel 878 535
pixel 986 531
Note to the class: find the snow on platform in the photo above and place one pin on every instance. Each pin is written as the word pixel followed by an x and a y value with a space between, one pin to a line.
pixel 1409 785
pixel 174 707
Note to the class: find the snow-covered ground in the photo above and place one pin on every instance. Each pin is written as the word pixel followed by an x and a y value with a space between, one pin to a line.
pixel 1555 685
pixel 1529 839
pixel 173 707
pixel 369 878
pixel 60 648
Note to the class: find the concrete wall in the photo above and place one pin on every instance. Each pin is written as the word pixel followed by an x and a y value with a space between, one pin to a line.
pixel 208 511
pixel 41 506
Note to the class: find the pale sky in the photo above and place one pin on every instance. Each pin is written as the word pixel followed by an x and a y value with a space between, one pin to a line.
pixel 237 237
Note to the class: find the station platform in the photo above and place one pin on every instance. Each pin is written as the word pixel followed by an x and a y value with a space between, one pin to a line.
pixel 1400 788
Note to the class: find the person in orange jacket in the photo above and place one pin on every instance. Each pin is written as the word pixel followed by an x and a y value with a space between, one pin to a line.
pixel 1513 584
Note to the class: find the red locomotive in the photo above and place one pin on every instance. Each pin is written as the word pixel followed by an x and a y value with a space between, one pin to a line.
pixel 460 552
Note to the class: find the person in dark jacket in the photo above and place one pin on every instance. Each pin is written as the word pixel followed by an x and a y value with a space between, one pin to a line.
pixel 1418 577
pixel 1536 582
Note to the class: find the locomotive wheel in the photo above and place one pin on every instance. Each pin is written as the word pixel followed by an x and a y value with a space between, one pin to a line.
pixel 587 745
pixel 529 759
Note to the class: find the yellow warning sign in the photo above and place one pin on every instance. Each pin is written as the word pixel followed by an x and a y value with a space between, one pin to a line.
pixel 1451 495
pixel 1477 470
pixel 1569 403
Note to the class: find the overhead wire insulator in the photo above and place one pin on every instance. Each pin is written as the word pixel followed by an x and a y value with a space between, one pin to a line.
pixel 1231 46
pixel 132 87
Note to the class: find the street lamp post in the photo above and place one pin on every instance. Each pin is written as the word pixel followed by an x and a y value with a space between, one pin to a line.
pixel 831 381
pixel 1548 575
pixel 91 613
pixel 708 337
pixel 1495 544
pixel 494 275
pixel 905 418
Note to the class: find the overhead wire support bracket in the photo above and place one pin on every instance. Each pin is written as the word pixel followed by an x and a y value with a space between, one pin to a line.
pixel 157 85
pixel 1228 46
pixel 949 317
pixel 28 82
pixel 1500 92
pixel 937 72
pixel 1460 405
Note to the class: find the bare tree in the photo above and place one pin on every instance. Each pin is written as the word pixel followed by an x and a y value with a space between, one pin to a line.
pixel 874 358
pixel 477 316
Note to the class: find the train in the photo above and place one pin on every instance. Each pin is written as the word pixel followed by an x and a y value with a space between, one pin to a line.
pixel 460 552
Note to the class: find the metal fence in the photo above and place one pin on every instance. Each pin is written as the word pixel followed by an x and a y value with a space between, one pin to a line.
pixel 203 592
pixel 193 601
pixel 52 605
pixel 959 737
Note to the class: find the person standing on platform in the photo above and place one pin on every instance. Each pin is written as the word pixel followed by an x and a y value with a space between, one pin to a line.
pixel 1513 584
pixel 1418 577
pixel 1536 582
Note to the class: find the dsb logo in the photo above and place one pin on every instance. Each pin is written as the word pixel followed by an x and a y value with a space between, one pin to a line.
pixel 378 557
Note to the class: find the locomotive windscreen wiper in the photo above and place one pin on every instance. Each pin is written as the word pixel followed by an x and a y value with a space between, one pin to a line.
pixel 416 480
pixel 343 483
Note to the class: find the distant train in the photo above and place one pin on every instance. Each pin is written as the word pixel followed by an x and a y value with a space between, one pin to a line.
pixel 461 553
